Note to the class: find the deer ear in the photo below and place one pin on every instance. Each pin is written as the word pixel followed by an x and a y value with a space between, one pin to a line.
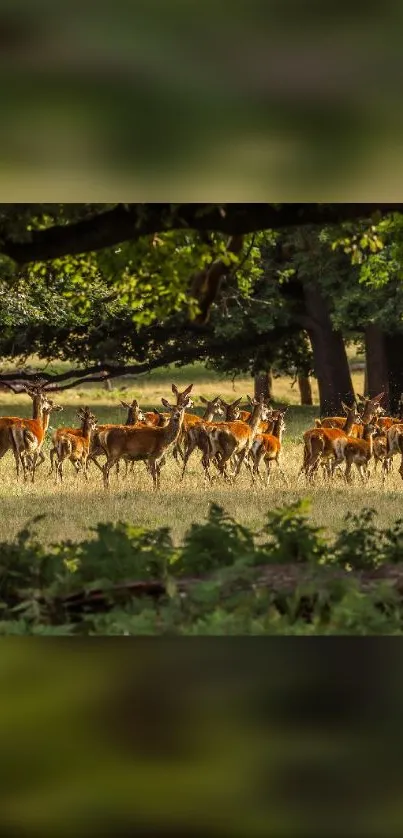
pixel 378 399
pixel 202 399
pixel 345 408
pixel 166 404
pixel 237 402
pixel 175 390
pixel 187 391
pixel 125 404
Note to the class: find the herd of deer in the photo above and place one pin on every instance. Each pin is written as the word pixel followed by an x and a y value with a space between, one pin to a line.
pixel 227 437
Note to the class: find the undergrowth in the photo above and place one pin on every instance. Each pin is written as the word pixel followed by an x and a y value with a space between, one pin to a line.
pixel 213 583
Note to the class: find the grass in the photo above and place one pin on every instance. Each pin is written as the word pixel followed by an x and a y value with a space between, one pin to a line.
pixel 70 510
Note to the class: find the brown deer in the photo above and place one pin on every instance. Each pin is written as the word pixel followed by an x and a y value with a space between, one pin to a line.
pixel 76 446
pixel 183 397
pixel 393 447
pixel 232 439
pixel 267 447
pixel 356 452
pixel 134 416
pixel 143 443
pixel 39 399
pixel 369 407
pixel 195 435
pixel 28 435
pixel 319 443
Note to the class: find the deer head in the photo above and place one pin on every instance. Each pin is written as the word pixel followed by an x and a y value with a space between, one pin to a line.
pixel 353 412
pixel 214 405
pixel 370 407
pixel 134 410
pixel 232 410
pixel 182 397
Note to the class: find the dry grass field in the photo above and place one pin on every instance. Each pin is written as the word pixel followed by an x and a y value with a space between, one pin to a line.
pixel 71 509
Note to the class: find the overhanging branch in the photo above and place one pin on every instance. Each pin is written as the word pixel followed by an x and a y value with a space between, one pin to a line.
pixel 173 355
pixel 130 222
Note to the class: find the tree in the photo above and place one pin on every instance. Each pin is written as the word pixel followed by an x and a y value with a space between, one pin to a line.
pixel 243 302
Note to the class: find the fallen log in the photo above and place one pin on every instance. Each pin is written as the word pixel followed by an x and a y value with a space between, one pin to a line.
pixel 279 578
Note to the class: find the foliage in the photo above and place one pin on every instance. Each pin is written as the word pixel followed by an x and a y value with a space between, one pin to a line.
pixel 213 582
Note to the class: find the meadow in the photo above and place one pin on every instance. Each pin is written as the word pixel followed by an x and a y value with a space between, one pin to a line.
pixel 70 510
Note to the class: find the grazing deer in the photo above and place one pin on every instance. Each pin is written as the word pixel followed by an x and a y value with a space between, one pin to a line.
pixel 356 452
pixel 267 447
pixel 76 446
pixel 143 443
pixel 195 435
pixel 28 436
pixel 229 439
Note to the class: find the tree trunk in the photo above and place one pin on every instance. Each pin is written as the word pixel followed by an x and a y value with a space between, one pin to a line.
pixel 377 379
pixel 264 385
pixel 394 354
pixel 329 352
pixel 305 390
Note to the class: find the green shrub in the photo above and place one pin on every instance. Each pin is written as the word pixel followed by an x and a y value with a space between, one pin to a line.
pixel 225 562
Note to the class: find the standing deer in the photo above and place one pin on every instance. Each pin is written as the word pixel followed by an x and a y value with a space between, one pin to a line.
pixel 267 447
pixel 356 452
pixel 195 435
pixel 39 399
pixel 229 439
pixel 76 446
pixel 319 442
pixel 28 435
pixel 134 416
pixel 143 443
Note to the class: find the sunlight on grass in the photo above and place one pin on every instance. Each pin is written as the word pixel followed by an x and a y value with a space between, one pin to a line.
pixel 72 509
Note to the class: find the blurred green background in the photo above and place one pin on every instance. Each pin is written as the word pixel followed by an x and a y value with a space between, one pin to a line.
pixel 228 737
pixel 158 100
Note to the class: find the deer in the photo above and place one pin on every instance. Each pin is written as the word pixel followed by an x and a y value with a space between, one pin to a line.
pixel 134 416
pixel 37 394
pixel 154 418
pixel 356 452
pixel 357 428
pixel 76 446
pixel 229 439
pixel 28 435
pixel 267 447
pixel 318 442
pixel 142 443
pixel 232 411
pixel 393 447
pixel 195 435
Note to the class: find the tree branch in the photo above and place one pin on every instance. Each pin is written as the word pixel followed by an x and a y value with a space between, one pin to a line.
pixel 175 354
pixel 129 222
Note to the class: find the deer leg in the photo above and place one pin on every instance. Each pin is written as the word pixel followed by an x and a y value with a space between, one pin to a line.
pixel 347 473
pixel 93 459
pixel 41 458
pixel 111 461
pixel 268 464
pixel 59 471
pixel 190 447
